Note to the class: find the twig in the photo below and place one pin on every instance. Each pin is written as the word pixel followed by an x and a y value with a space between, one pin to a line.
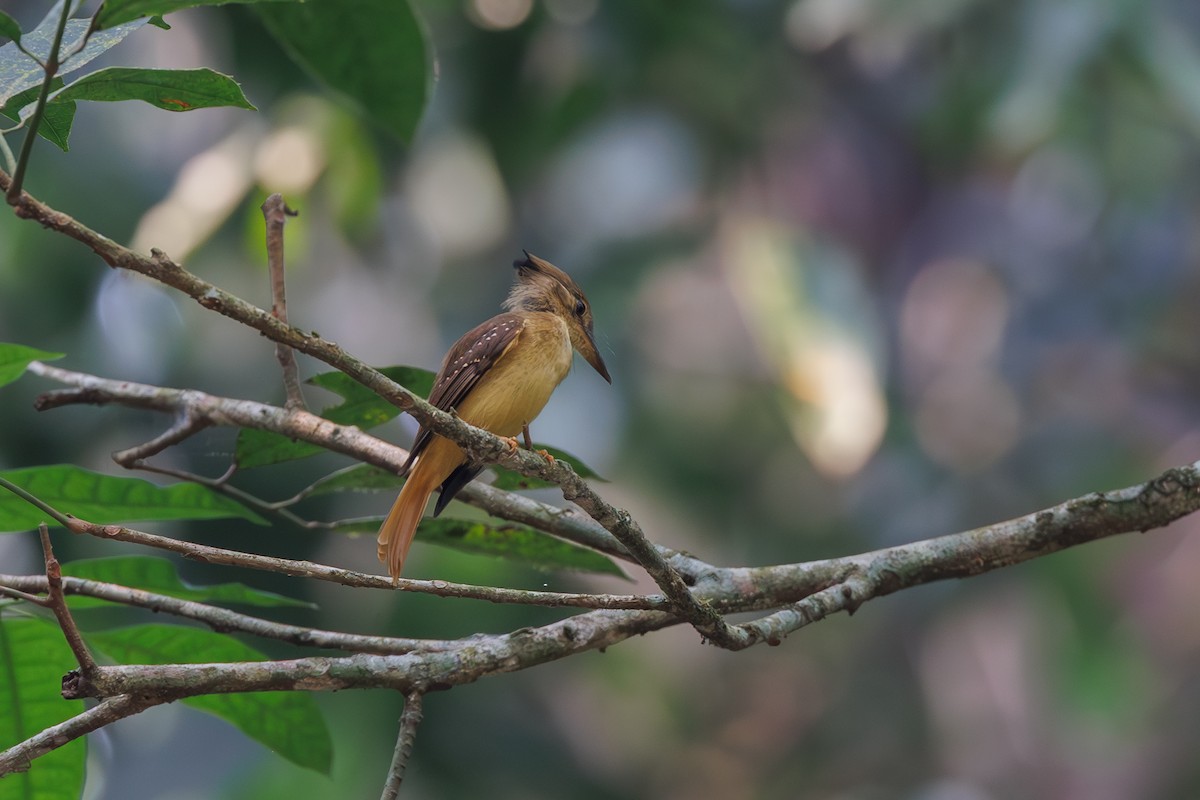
pixel 222 620
pixel 345 577
pixel 410 719
pixel 475 658
pixel 50 67
pixel 699 614
pixel 185 425
pixel 17 594
pixel 223 486
pixel 90 389
pixel 275 214
pixel 18 757
pixel 58 604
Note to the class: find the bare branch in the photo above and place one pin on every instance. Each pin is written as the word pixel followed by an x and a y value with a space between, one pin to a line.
pixel 185 425
pixel 410 719
pixel 18 757
pixel 345 577
pixel 221 619
pixel 18 594
pixel 58 604
pixel 473 659
pixel 90 389
pixel 275 214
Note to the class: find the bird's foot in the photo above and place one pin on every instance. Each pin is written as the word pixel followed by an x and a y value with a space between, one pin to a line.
pixel 513 444
pixel 544 454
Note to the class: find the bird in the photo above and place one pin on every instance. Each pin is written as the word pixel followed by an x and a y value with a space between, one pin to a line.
pixel 498 377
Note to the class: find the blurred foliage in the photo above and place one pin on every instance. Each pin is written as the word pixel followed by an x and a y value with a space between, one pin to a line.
pixel 865 272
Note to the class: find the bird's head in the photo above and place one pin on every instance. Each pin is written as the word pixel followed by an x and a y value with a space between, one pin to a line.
pixel 541 286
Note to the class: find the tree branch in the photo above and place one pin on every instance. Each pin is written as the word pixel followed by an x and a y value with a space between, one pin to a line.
pixel 347 440
pixel 219 619
pixel 18 757
pixel 479 445
pixel 410 718
pixel 345 577
pixel 57 603
pixel 275 214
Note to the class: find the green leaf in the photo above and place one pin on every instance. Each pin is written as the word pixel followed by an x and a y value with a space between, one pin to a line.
pixel 358 478
pixel 14 358
pixel 56 123
pixel 360 407
pixel 510 479
pixel 33 658
pixel 416 380
pixel 379 60
pixel 9 28
pixel 159 575
pixel 56 119
pixel 19 72
pixel 257 448
pixel 504 540
pixel 169 89
pixel 287 722
pixel 107 499
pixel 118 11
pixel 14 104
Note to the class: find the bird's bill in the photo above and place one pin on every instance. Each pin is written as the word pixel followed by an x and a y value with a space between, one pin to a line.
pixel 592 356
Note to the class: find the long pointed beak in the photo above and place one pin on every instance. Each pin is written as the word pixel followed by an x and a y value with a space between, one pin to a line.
pixel 592 356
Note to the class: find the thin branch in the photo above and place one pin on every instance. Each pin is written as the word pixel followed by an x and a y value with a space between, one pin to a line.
pixel 186 424
pixel 345 577
pixel 1143 507
pixel 17 594
pixel 475 658
pixel 275 214
pixel 18 757
pixel 348 440
pixel 696 612
pixel 480 445
pixel 58 604
pixel 223 486
pixel 221 620
pixel 410 719
pixel 50 68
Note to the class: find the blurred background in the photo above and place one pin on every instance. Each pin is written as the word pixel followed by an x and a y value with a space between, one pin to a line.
pixel 864 272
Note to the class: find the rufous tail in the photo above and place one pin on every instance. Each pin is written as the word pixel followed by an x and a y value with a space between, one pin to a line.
pixel 396 533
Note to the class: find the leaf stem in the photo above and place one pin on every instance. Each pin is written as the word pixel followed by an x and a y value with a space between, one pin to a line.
pixel 51 69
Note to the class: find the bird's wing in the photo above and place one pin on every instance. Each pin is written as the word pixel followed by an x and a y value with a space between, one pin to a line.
pixel 468 360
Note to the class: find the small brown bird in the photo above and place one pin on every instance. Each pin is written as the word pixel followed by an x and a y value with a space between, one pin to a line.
pixel 498 377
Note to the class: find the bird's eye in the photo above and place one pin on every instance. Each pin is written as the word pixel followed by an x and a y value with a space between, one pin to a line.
pixel 580 307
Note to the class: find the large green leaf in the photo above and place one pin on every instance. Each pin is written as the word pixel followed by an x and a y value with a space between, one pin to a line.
pixel 14 358
pixel 360 407
pixel 511 479
pixel 33 658
pixel 287 722
pixel 379 58
pixel 503 540
pixel 169 89
pixel 106 499
pixel 159 575
pixel 19 72
pixel 117 11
